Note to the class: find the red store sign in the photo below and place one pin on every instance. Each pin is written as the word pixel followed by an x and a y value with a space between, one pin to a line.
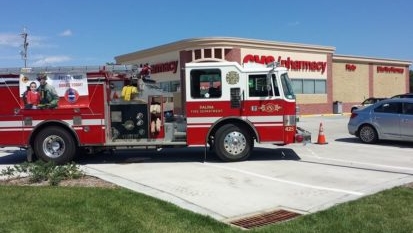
pixel 391 69
pixel 351 67
pixel 164 67
pixel 296 65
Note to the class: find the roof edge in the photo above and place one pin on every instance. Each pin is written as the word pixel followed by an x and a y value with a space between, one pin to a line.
pixel 192 43
pixel 340 57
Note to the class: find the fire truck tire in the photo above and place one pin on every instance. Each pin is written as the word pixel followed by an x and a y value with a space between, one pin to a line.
pixel 55 144
pixel 233 143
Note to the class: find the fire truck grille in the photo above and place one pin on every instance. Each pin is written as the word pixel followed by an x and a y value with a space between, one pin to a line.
pixel 265 219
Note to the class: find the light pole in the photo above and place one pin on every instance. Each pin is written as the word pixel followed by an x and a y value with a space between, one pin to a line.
pixel 23 53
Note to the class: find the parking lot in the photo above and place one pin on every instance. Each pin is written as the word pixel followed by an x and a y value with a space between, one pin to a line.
pixel 302 178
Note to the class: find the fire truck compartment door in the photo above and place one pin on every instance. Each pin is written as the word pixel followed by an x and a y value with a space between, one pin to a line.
pixel 11 130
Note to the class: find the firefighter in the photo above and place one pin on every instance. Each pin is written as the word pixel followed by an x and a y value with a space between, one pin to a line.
pixel 129 91
pixel 48 94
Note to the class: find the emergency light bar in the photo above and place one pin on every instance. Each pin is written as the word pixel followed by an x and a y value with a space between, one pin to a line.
pixel 273 65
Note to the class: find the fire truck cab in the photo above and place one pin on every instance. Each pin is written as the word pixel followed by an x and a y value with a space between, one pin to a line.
pixel 221 105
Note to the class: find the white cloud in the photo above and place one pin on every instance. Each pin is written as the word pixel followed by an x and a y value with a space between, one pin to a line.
pixel 10 40
pixel 16 40
pixel 50 60
pixel 67 32
pixel 11 44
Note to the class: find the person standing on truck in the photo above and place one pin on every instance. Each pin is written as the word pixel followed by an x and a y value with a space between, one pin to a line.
pixel 146 71
pixel 48 94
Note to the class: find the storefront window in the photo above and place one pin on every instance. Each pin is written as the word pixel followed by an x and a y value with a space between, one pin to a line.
pixel 170 86
pixel 298 86
pixel 309 86
pixel 320 87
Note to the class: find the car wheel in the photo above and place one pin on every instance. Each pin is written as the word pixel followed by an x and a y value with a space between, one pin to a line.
pixel 368 134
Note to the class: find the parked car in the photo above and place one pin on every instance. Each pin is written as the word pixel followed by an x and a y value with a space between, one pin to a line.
pixel 407 95
pixel 366 102
pixel 390 119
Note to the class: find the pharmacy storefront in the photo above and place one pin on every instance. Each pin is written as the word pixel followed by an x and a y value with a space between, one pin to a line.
pixel 320 78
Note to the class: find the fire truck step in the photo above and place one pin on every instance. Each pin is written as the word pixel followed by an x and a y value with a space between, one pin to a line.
pixel 178 136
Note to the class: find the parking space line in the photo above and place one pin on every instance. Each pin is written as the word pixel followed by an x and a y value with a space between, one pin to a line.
pixel 392 168
pixel 285 181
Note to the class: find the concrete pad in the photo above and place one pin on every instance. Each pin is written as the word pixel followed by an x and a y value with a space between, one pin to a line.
pixel 302 178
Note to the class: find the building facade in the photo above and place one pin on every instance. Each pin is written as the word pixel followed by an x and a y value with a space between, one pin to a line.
pixel 323 81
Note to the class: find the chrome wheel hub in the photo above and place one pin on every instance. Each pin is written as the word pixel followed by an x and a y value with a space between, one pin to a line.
pixel 235 143
pixel 54 146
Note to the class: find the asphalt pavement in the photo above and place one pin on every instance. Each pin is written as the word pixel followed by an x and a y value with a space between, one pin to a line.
pixel 302 178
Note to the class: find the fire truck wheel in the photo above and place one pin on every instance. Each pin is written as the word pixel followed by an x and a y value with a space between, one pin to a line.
pixel 232 143
pixel 55 144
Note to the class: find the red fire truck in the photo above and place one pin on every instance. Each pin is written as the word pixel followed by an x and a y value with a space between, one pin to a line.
pixel 221 105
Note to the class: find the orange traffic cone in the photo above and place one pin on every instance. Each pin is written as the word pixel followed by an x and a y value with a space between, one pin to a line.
pixel 321 137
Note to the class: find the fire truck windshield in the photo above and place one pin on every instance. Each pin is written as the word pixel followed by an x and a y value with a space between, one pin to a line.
pixel 287 86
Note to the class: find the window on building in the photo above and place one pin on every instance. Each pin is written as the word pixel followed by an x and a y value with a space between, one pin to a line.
pixel 208 53
pixel 320 87
pixel 175 86
pixel 206 83
pixel 309 86
pixel 170 86
pixel 297 86
pixel 198 54
pixel 218 53
pixel 165 86
pixel 227 53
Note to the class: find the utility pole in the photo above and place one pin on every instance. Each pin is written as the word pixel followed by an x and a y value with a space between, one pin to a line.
pixel 23 53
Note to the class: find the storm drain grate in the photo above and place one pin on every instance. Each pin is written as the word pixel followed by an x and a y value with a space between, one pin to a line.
pixel 265 219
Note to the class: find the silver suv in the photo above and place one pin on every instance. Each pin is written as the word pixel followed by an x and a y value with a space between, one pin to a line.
pixel 407 95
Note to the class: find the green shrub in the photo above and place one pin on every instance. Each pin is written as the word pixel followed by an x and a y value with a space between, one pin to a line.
pixel 40 171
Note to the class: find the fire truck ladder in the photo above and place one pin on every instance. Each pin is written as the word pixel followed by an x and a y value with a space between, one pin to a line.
pixel 119 69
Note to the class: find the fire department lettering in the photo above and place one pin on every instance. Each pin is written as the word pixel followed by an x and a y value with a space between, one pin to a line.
pixel 206 107
pixel 210 111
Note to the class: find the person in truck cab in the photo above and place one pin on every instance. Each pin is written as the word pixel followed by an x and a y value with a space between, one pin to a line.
pixel 48 94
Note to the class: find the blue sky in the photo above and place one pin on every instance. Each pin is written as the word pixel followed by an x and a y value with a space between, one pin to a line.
pixel 66 33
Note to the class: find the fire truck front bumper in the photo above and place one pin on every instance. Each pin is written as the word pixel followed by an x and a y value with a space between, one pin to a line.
pixel 302 135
